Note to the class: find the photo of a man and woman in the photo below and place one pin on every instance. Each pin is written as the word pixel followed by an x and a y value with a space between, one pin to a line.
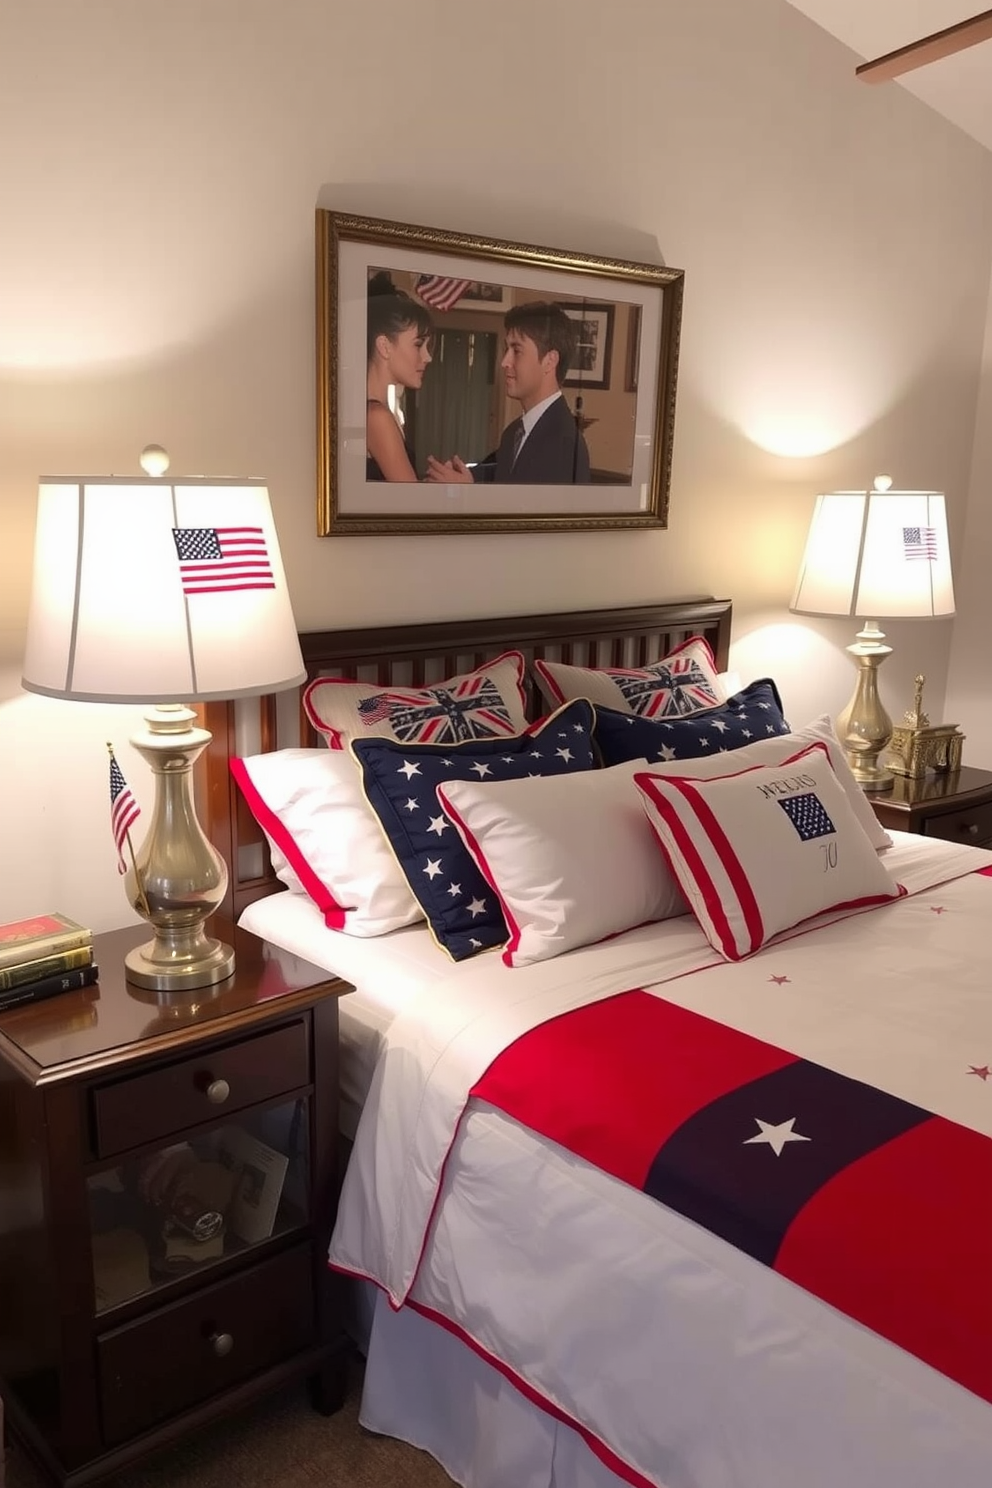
pixel 504 388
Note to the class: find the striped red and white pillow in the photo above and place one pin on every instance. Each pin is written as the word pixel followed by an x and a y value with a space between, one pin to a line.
pixel 763 849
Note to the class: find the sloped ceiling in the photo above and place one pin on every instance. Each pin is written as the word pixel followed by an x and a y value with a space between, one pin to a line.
pixel 959 87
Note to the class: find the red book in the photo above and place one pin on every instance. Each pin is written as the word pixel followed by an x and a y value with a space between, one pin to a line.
pixel 42 935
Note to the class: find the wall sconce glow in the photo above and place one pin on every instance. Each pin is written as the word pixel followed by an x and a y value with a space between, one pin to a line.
pixel 795 436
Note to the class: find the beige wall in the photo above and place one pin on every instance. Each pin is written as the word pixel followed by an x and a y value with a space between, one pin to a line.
pixel 969 684
pixel 159 169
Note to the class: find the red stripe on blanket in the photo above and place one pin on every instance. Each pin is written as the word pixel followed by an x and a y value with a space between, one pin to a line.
pixel 871 1203
pixel 623 1111
pixel 922 1203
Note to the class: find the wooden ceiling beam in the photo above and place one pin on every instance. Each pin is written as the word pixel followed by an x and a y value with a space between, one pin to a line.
pixel 928 49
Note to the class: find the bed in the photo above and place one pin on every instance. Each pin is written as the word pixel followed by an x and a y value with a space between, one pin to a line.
pixel 538 1320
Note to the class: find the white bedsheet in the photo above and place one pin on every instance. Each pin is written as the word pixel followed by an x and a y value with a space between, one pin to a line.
pixel 720 1373
pixel 386 974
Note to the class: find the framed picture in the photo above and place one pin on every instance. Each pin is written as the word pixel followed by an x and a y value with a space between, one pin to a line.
pixel 467 384
pixel 594 344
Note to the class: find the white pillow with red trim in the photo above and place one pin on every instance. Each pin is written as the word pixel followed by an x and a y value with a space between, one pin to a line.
pixel 487 703
pixel 770 752
pixel 571 858
pixel 325 839
pixel 682 683
pixel 761 850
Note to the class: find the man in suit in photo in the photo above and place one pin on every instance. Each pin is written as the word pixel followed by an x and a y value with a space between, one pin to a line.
pixel 544 445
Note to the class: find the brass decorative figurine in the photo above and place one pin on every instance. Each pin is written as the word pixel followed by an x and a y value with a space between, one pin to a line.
pixel 918 746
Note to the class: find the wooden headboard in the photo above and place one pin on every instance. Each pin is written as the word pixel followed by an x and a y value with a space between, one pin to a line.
pixel 415 655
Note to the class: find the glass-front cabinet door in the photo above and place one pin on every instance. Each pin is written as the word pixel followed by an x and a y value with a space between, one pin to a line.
pixel 186 1206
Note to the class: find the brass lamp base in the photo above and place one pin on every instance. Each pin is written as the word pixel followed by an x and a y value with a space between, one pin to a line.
pixel 864 728
pixel 177 880
pixel 196 963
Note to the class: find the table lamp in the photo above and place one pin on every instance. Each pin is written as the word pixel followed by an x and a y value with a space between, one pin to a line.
pixel 151 590
pixel 883 554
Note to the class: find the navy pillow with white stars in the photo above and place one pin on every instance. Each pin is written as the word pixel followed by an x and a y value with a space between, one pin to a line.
pixel 753 713
pixel 401 783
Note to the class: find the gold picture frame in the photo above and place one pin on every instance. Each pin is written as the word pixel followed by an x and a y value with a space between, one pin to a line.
pixel 462 399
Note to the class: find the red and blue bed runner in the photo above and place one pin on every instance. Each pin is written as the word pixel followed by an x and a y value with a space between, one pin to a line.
pixel 873 1204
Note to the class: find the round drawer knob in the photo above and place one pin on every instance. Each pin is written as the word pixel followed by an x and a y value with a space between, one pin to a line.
pixel 221 1343
pixel 971 828
pixel 217 1092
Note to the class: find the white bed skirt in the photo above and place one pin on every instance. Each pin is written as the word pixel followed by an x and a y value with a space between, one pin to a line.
pixel 425 1387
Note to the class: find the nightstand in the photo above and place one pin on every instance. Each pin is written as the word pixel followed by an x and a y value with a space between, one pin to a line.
pixel 117 1337
pixel 956 806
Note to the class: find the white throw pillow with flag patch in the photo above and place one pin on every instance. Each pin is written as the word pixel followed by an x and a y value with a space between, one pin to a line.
pixel 760 851
pixel 487 703
pixel 771 751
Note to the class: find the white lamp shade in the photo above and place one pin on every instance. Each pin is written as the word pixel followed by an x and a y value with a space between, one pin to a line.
pixel 882 554
pixel 158 590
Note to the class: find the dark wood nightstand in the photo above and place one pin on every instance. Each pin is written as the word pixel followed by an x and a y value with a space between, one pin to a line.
pixel 109 1349
pixel 956 806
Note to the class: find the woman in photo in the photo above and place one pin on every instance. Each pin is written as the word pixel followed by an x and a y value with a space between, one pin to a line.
pixel 399 332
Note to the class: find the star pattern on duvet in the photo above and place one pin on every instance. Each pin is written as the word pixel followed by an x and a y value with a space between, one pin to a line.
pixel 401 781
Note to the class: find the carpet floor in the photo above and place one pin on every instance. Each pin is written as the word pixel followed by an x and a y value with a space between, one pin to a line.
pixel 279 1443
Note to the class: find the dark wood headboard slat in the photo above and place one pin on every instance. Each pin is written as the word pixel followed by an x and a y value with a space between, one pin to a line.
pixel 397 655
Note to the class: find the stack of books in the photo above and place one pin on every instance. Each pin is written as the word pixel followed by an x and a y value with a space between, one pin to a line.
pixel 43 956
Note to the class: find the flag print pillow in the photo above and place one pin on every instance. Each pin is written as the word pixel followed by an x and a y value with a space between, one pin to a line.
pixel 774 748
pixel 324 840
pixel 682 683
pixel 751 714
pixel 487 703
pixel 760 851
pixel 401 782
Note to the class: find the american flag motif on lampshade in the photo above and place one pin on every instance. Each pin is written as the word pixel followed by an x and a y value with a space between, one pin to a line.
pixel 158 590
pixel 920 542
pixel 216 560
pixel 879 555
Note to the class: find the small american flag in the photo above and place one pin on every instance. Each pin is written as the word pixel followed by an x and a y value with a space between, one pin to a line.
pixel 442 293
pixel 124 811
pixel 218 559
pixel 808 815
pixel 919 542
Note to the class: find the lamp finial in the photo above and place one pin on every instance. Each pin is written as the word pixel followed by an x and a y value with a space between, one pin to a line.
pixel 154 460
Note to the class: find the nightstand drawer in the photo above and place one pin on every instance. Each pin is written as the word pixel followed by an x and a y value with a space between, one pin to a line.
pixel 150 1106
pixel 973 826
pixel 174 1358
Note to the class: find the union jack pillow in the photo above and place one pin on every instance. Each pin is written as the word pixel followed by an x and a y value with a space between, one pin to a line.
pixel 681 683
pixel 487 703
pixel 758 852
